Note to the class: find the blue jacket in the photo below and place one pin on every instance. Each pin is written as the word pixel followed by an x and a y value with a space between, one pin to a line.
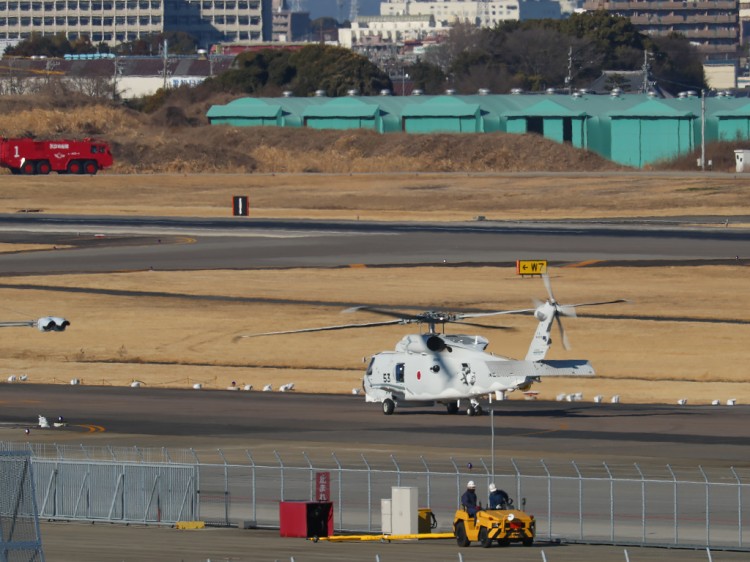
pixel 469 501
pixel 498 499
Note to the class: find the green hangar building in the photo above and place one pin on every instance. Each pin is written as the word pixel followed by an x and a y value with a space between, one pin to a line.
pixel 630 129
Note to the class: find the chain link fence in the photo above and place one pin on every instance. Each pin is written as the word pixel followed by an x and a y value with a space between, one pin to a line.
pixel 586 502
pixel 19 521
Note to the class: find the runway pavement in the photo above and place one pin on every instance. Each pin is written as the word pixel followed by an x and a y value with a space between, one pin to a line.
pixel 321 424
pixel 77 542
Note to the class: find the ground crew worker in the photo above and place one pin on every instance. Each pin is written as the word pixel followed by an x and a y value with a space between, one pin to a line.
pixel 498 498
pixel 469 499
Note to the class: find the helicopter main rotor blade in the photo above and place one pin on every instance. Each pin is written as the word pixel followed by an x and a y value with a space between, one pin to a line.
pixel 384 312
pixel 476 325
pixel 495 313
pixel 320 329
pixel 594 303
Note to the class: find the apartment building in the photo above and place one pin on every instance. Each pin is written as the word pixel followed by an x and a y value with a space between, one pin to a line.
pixel 118 21
pixel 288 25
pixel 711 25
pixel 483 13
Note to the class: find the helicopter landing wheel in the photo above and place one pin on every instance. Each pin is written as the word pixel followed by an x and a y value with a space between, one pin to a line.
pixel 452 407
pixel 388 406
pixel 470 411
pixel 478 411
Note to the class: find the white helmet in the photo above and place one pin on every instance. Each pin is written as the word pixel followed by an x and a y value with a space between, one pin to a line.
pixel 493 488
pixel 471 485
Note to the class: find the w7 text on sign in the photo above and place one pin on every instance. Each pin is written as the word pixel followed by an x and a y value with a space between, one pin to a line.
pixel 531 267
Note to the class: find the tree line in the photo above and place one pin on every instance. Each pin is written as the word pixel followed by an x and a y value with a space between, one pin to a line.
pixel 532 55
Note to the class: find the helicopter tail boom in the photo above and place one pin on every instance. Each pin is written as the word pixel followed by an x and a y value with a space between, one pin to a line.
pixel 547 368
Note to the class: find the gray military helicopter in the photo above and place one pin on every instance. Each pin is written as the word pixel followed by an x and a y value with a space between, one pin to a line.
pixel 455 369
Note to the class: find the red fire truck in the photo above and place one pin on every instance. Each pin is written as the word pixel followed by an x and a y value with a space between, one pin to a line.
pixel 28 156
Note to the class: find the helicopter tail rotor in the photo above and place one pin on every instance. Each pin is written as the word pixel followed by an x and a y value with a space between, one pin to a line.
pixel 552 311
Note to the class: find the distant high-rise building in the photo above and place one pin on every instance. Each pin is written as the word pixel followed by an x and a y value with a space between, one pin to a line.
pixel 711 25
pixel 484 13
pixel 119 21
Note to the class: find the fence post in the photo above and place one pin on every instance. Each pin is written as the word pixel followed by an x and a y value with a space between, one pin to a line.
pixel 674 505
pixel 708 506
pixel 252 485
pixel 490 478
pixel 458 480
pixel 643 504
pixel 428 474
pixel 312 478
pixel 580 501
pixel 341 507
pixel 197 484
pixel 549 500
pixel 739 506
pixel 51 489
pixel 518 479
pixel 398 471
pixel 611 504
pixel 281 475
pixel 226 488
pixel 369 493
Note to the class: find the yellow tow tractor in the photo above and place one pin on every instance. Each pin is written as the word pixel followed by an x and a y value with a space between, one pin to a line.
pixel 501 525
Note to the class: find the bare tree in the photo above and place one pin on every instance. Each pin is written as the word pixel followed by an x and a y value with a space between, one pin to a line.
pixel 536 54
pixel 462 37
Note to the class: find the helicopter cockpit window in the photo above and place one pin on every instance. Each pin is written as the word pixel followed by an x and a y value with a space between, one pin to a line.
pixel 369 367
pixel 399 372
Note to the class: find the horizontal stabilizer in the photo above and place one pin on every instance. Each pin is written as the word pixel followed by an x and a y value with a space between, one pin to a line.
pixel 561 368
pixel 566 367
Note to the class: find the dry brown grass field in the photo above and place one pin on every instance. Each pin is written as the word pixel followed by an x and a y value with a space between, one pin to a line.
pixel 178 139
pixel 181 340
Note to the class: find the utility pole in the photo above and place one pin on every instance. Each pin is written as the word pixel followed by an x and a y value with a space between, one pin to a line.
pixel 645 69
pixel 703 130
pixel 164 53
pixel 117 72
pixel 569 77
